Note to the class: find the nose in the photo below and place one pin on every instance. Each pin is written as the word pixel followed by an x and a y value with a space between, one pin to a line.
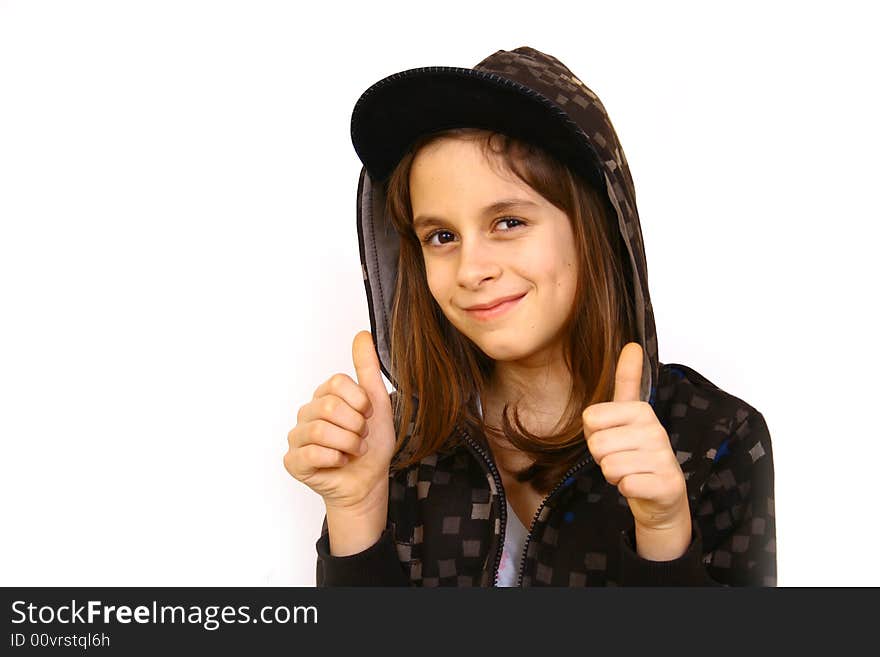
pixel 477 263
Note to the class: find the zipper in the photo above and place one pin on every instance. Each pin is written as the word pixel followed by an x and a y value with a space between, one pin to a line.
pixel 525 551
pixel 503 505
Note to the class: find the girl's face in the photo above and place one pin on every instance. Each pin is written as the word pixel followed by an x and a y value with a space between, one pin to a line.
pixel 478 250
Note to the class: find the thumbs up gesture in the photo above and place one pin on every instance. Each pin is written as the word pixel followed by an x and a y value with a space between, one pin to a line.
pixel 344 439
pixel 380 436
pixel 633 450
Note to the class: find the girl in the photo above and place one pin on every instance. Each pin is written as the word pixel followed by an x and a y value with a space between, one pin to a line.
pixel 533 438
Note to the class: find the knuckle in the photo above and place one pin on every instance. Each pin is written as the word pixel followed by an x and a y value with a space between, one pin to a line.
pixel 324 457
pixel 314 455
pixel 594 442
pixel 337 381
pixel 609 465
pixel 316 431
pixel 290 464
pixel 328 405
pixel 592 419
pixel 305 456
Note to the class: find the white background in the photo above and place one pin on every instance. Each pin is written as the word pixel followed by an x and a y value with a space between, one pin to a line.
pixel 179 266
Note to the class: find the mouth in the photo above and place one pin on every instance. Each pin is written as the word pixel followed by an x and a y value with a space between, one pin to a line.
pixel 485 314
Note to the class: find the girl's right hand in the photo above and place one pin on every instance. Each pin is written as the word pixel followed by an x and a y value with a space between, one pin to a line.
pixel 343 418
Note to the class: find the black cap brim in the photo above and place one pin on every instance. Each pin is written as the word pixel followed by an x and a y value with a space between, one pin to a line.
pixel 394 112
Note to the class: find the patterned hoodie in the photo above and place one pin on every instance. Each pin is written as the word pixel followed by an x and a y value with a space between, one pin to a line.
pixel 447 514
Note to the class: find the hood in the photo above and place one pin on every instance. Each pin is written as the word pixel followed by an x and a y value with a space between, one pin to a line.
pixel 550 81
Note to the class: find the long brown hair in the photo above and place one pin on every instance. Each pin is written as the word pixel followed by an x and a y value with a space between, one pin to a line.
pixel 445 370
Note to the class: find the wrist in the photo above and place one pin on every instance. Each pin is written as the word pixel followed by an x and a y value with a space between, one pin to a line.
pixel 353 529
pixel 377 499
pixel 664 543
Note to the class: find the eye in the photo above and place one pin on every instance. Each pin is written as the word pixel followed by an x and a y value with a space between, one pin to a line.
pixel 440 231
pixel 430 236
pixel 506 219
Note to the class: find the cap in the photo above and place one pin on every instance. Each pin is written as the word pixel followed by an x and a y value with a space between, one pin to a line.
pixel 519 93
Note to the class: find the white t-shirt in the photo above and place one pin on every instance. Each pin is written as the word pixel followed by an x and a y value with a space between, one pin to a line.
pixel 511 556
pixel 515 534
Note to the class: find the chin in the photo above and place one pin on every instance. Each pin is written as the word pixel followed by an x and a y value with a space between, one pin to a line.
pixel 503 350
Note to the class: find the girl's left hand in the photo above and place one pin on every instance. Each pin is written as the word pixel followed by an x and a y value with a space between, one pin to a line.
pixel 633 450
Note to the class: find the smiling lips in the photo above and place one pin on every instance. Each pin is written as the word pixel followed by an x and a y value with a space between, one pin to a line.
pixel 494 311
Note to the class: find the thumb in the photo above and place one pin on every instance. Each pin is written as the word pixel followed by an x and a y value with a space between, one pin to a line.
pixel 628 376
pixel 366 365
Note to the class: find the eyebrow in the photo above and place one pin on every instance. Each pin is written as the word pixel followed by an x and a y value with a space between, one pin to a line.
pixel 503 205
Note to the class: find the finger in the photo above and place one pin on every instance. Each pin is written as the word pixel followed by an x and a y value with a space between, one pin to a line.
pixel 628 376
pixel 641 486
pixel 604 415
pixel 344 386
pixel 616 439
pixel 617 465
pixel 332 408
pixel 315 457
pixel 327 434
pixel 366 365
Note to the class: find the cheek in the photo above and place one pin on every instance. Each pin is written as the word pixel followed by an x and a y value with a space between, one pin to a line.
pixel 568 275
pixel 555 273
pixel 558 277
pixel 566 268
pixel 435 283
pixel 567 283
